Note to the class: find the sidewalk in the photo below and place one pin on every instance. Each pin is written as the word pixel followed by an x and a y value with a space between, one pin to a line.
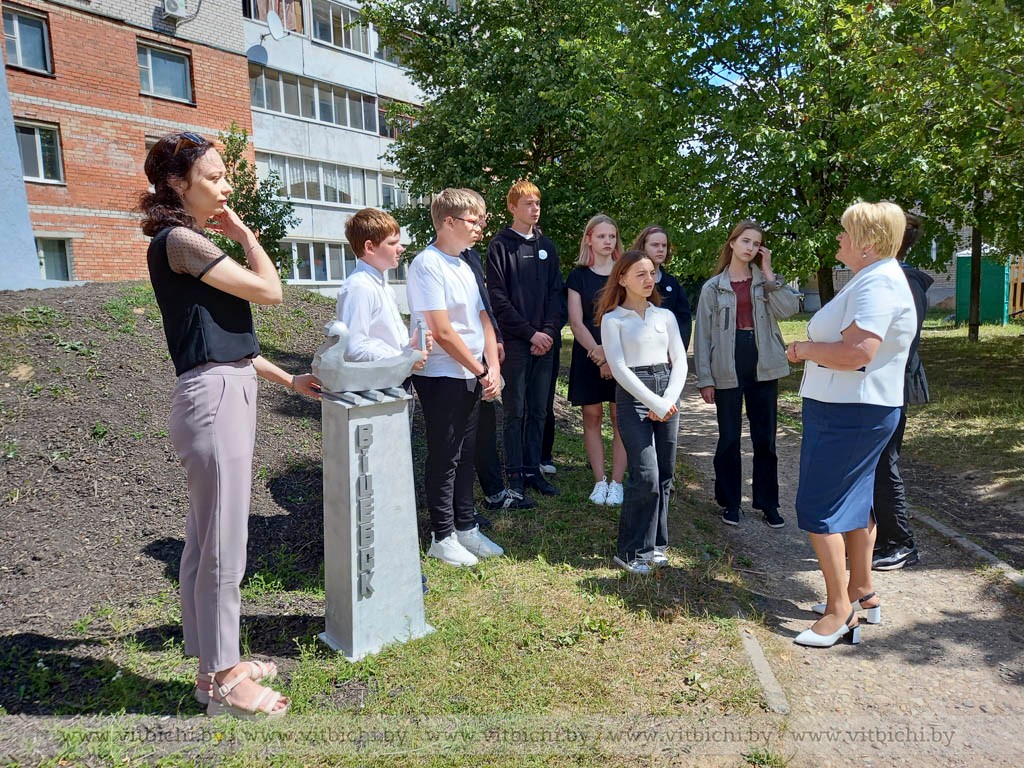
pixel 939 682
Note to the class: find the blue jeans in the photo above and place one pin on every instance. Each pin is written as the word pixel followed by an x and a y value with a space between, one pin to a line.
pixel 651 462
pixel 525 397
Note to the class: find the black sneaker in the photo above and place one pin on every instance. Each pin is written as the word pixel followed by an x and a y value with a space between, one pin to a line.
pixel 497 501
pixel 731 516
pixel 480 520
pixel 895 558
pixel 540 484
pixel 773 519
pixel 519 500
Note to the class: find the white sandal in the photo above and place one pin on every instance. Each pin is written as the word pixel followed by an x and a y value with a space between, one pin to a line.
pixel 263 707
pixel 258 670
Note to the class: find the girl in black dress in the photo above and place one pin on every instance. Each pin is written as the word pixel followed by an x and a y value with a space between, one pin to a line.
pixel 590 379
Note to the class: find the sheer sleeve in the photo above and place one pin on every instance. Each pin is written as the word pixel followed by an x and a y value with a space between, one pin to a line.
pixel 190 253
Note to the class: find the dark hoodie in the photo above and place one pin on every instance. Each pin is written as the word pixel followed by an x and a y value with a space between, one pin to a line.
pixel 915 382
pixel 524 281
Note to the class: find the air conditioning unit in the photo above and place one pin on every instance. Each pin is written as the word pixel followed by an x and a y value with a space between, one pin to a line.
pixel 175 9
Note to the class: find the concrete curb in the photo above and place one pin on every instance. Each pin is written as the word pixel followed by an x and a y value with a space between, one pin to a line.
pixel 1008 571
pixel 774 696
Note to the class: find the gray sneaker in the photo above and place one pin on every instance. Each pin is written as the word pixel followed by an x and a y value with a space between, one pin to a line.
pixel 637 565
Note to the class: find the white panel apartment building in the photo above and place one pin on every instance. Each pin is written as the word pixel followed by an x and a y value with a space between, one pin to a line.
pixel 317 116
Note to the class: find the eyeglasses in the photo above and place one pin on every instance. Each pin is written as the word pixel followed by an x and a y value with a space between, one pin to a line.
pixel 189 139
pixel 481 222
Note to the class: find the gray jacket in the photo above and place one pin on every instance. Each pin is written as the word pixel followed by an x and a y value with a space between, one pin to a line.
pixel 714 338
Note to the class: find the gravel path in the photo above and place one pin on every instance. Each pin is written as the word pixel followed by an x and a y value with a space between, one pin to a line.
pixel 939 682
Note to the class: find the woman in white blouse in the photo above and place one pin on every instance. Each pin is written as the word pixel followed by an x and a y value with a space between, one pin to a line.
pixel 647 358
pixel 852 392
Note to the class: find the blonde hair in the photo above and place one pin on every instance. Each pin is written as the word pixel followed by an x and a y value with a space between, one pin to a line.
pixel 369 224
pixel 586 257
pixel 881 225
pixel 454 202
pixel 519 190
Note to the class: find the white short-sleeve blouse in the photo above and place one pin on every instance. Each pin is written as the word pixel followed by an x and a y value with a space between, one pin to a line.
pixel 879 301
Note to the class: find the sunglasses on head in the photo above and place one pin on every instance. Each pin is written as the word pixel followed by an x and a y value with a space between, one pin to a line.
pixel 187 140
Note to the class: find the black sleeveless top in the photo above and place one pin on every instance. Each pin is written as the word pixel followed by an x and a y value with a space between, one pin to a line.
pixel 202 324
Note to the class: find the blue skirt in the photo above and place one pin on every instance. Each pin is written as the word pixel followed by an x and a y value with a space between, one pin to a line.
pixel 841 446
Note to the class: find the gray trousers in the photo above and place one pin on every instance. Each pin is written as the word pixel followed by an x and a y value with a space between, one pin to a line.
pixel 651 461
pixel 213 429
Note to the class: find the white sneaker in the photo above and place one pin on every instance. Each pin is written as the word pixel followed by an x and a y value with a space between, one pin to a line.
pixel 614 494
pixel 449 550
pixel 548 469
pixel 600 492
pixel 637 565
pixel 478 544
pixel 656 558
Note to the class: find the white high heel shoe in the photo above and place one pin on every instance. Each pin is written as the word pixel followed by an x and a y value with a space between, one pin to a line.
pixel 871 615
pixel 813 639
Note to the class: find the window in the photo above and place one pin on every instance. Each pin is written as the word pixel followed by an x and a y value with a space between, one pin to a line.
pixel 39 147
pixel 393 194
pixel 53 259
pixel 27 40
pixel 321 262
pixel 340 26
pixel 290 12
pixel 393 127
pixel 303 179
pixel 301 97
pixel 164 73
pixel 388 54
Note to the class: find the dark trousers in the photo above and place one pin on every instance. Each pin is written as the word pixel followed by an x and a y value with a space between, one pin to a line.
pixel 488 463
pixel 450 408
pixel 890 505
pixel 525 397
pixel 762 414
pixel 651 461
pixel 547 443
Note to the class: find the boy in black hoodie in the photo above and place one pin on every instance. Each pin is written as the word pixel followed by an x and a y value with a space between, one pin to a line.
pixel 894 545
pixel 524 281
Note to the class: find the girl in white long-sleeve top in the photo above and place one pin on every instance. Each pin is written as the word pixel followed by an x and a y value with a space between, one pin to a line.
pixel 645 353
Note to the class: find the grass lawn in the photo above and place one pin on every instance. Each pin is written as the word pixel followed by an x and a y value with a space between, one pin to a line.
pixel 547 656
pixel 974 419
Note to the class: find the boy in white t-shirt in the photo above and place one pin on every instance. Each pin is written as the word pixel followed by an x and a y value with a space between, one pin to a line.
pixel 462 366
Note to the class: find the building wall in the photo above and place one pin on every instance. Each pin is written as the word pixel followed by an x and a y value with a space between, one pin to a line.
pixel 274 132
pixel 94 97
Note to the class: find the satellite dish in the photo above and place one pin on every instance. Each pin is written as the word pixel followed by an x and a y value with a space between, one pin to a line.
pixel 257 54
pixel 277 30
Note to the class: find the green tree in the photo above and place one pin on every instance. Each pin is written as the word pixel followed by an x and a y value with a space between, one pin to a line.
pixel 513 90
pixel 258 203
pixel 953 76
pixel 759 111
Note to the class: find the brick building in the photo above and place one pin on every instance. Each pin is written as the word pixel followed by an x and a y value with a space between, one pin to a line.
pixel 92 84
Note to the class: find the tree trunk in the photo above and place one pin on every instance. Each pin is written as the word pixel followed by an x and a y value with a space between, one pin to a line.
pixel 974 313
pixel 826 288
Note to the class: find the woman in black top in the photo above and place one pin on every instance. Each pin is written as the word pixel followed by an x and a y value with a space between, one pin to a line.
pixel 204 300
pixel 654 242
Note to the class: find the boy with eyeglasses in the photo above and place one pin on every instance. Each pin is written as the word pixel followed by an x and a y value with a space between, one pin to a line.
pixel 462 366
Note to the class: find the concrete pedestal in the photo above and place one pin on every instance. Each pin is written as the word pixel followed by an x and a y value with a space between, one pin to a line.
pixel 371 552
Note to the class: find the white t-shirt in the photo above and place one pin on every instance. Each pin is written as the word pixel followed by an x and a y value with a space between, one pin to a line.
pixel 630 341
pixel 879 301
pixel 438 281
pixel 367 305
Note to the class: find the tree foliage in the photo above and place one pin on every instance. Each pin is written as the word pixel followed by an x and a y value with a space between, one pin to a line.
pixel 255 201
pixel 513 90
pixel 698 115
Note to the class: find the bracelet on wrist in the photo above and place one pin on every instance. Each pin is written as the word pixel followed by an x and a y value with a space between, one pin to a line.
pixel 483 374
